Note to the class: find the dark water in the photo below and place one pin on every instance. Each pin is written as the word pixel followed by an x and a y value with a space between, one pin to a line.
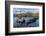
pixel 26 22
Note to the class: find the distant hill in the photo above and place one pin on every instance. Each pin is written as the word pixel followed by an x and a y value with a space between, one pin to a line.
pixel 27 14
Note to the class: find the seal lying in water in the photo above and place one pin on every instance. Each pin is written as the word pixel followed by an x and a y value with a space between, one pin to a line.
pixel 32 20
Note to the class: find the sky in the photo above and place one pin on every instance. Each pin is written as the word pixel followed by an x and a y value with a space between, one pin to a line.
pixel 25 10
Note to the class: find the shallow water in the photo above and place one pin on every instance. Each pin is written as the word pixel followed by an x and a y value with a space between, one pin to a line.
pixel 25 24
